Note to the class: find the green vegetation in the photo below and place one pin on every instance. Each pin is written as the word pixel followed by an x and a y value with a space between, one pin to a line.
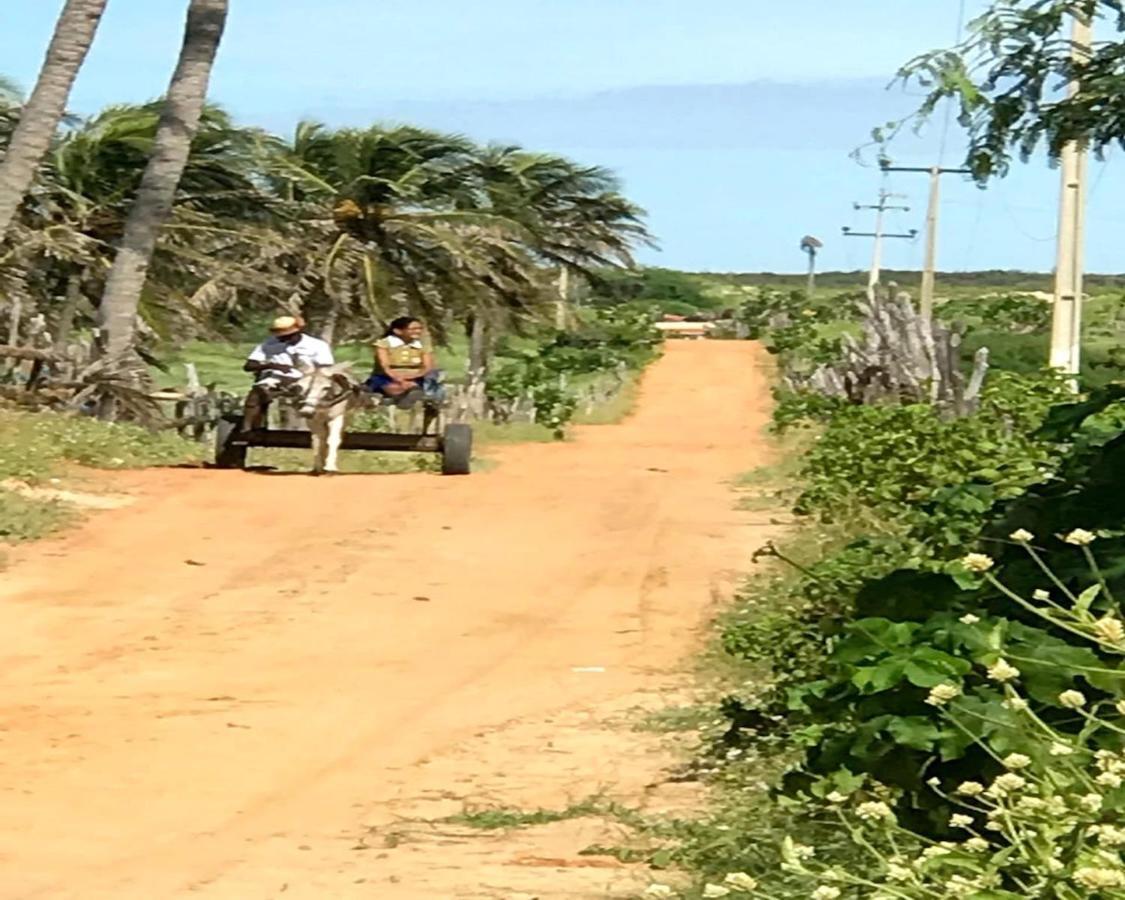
pixel 38 446
pixel 944 617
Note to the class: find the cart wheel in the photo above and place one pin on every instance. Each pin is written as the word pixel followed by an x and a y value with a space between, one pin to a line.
pixel 229 455
pixel 456 450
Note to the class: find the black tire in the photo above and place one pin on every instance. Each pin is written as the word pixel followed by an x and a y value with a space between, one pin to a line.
pixel 229 455
pixel 457 450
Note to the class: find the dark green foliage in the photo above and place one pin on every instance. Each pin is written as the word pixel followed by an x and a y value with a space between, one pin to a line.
pixel 606 341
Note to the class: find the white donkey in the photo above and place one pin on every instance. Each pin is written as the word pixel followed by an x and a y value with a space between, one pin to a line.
pixel 327 394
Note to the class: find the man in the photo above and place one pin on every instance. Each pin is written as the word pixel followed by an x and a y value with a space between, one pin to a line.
pixel 274 364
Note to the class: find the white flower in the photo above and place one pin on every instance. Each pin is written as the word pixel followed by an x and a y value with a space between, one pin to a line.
pixel 873 810
pixel 1002 671
pixel 1091 802
pixel 1016 703
pixel 1094 878
pixel 1006 783
pixel 1109 779
pixel 1110 630
pixel 837 797
pixel 942 849
pixel 976 844
pixel 740 881
pixel 960 820
pixel 1040 594
pixel 1021 536
pixel 898 872
pixel 1108 761
pixel 1120 706
pixel 1060 749
pixel 977 562
pixel 826 892
pixel 659 890
pixel 1110 835
pixel 969 619
pixel 1072 699
pixel 1080 537
pixel 715 890
pixel 970 788
pixel 802 851
pixel 943 693
pixel 1017 761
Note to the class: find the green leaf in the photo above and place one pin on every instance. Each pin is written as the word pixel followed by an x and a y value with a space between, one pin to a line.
pixel 872 679
pixel 1087 597
pixel 929 667
pixel 917 732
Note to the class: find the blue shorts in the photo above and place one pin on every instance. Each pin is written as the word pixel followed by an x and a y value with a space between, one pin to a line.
pixel 430 383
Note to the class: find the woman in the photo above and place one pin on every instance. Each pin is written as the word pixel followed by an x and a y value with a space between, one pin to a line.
pixel 402 362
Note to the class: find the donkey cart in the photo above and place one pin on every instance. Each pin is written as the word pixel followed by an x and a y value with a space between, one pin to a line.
pixel 454 442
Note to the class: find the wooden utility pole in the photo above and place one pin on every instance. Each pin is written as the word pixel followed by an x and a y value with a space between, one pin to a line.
pixel 1066 319
pixel 878 234
pixel 929 267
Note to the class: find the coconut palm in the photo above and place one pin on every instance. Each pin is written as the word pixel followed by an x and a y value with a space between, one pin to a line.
pixel 41 114
pixel 221 207
pixel 407 229
pixel 182 110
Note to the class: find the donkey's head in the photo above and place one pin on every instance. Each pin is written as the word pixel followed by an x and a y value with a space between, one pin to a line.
pixel 324 387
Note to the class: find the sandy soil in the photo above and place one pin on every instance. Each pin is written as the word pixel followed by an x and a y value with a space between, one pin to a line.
pixel 244 686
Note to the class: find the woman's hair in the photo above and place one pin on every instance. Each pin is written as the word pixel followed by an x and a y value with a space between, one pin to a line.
pixel 400 323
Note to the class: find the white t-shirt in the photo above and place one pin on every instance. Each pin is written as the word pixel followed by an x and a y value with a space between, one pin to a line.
pixel 311 350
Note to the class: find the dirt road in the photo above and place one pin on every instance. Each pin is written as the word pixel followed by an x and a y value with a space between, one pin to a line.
pixel 210 691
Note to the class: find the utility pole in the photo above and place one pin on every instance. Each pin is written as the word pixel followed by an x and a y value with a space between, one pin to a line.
pixel 877 255
pixel 1066 319
pixel 929 267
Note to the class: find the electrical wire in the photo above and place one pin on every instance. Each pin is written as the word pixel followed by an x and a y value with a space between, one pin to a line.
pixel 949 101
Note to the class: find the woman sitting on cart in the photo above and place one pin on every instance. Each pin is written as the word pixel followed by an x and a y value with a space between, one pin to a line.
pixel 403 363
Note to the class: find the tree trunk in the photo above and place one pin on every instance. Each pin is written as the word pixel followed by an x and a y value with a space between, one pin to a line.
pixel 65 324
pixel 178 123
pixel 331 319
pixel 477 329
pixel 40 118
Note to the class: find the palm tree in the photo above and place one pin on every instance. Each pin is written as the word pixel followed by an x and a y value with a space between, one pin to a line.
pixel 183 108
pixel 208 248
pixel 406 229
pixel 39 120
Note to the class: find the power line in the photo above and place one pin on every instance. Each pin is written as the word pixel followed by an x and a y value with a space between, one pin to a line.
pixel 949 101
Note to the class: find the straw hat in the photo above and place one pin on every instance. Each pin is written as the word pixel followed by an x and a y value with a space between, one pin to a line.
pixel 286 325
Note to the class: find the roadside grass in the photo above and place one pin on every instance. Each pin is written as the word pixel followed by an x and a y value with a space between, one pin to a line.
pixel 25 519
pixel 506 818
pixel 35 447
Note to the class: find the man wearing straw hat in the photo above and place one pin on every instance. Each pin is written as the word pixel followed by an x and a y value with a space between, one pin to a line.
pixel 274 364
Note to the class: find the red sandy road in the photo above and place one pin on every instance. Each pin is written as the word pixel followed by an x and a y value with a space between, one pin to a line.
pixel 205 691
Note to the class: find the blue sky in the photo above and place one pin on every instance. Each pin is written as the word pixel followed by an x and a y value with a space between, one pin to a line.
pixel 731 121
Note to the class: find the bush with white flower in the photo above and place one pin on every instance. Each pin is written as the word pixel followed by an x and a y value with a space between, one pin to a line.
pixel 1046 817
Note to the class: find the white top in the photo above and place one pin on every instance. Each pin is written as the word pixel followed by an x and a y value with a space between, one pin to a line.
pixel 311 350
pixel 393 340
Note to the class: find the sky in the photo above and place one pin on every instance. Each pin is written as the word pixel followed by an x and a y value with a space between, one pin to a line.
pixel 731 121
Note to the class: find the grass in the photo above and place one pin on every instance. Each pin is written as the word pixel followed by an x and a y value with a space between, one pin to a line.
pixel 24 519
pixel 38 446
pixel 508 818
pixel 34 446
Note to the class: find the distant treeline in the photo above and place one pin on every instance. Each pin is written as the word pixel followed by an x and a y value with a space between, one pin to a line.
pixel 992 279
